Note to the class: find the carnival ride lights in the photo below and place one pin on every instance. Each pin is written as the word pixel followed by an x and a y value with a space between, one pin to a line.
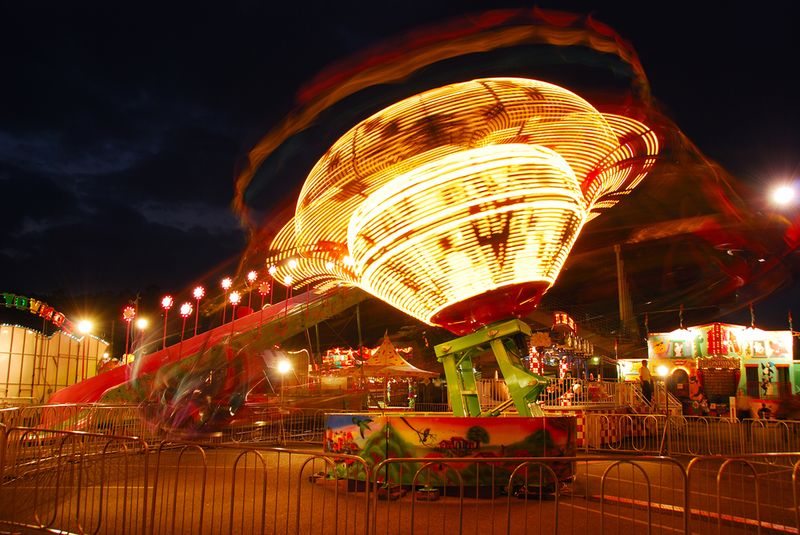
pixel 460 205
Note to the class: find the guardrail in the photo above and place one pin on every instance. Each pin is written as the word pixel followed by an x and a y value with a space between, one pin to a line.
pixel 10 401
pixel 689 435
pixel 276 425
pixel 92 483
pixel 589 394
pixel 557 394
pixel 119 420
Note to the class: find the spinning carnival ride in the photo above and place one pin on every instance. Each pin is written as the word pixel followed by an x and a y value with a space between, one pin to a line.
pixel 459 206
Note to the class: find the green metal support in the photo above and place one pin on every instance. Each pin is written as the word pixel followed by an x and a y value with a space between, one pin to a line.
pixel 459 372
pixel 457 355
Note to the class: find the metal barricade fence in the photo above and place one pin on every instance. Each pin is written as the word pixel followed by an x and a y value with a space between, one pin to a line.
pixel 606 495
pixel 279 426
pixel 699 435
pixel 36 415
pixel 242 490
pixel 73 482
pixel 433 407
pixel 688 435
pixel 268 424
pixel 640 433
pixel 117 420
pixel 559 393
pixel 757 493
pixel 90 483
pixel 772 436
pixel 570 392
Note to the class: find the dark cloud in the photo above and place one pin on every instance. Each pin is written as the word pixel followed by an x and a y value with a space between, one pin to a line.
pixel 112 246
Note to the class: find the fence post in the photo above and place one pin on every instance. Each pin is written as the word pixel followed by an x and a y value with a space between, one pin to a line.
pixel 587 432
pixel 3 440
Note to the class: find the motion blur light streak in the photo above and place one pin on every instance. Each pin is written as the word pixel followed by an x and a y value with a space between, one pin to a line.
pixel 491 41
pixel 460 205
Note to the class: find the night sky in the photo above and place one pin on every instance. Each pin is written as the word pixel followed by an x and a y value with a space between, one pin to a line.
pixel 123 125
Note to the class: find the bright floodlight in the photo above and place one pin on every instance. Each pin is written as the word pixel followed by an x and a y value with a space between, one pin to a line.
pixel 199 292
pixel 251 277
pixel 166 302
pixel 234 298
pixel 141 324
pixel 662 370
pixel 783 195
pixel 287 280
pixel 460 205
pixel 186 310
pixel 284 366
pixel 226 283
pixel 272 270
pixel 84 326
pixel 292 263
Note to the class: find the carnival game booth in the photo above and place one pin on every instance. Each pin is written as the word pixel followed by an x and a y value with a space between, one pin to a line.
pixel 704 366
pixel 389 380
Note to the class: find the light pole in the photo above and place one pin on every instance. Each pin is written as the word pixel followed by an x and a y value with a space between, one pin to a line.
pixel 198 294
pixel 284 367
pixel 128 313
pixel 287 281
pixel 272 270
pixel 141 324
pixel 84 327
pixel 263 290
pixel 252 276
pixel 166 304
pixel 235 297
pixel 226 285
pixel 185 311
pixel 308 361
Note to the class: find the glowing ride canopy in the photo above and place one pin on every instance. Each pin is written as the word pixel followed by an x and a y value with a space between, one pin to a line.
pixel 460 205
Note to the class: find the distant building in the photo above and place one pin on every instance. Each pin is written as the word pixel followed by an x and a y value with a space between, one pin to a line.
pixel 40 352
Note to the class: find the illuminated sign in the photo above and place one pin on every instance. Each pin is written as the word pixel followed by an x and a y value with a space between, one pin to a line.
pixel 721 340
pixel 41 309
pixel 562 319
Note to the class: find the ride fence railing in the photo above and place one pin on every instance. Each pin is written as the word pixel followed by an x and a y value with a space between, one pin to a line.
pixel 71 482
pixel 262 423
pixel 119 420
pixel 588 394
pixel 10 401
pixel 688 435
pixel 282 426
pixel 278 426
pixel 557 394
